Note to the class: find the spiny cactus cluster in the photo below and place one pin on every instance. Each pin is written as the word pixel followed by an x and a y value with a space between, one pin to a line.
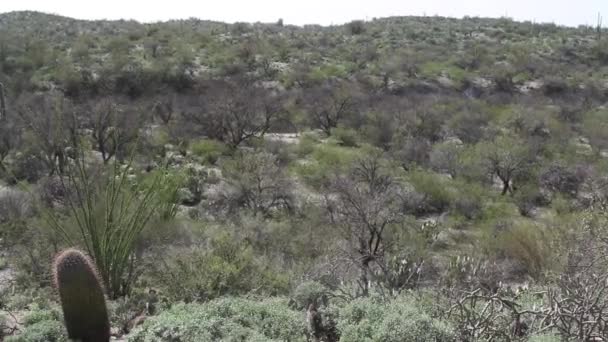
pixel 82 297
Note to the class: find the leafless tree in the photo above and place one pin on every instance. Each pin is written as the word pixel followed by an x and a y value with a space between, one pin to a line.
pixel 9 131
pixel 327 105
pixel 482 316
pixel 164 108
pixel 257 183
pixel 51 120
pixel 363 204
pixel 234 111
pixel 507 159
pixel 113 126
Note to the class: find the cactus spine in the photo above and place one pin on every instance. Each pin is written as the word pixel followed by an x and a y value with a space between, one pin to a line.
pixel 82 297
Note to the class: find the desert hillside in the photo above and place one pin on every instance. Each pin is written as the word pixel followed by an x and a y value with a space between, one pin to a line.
pixel 398 179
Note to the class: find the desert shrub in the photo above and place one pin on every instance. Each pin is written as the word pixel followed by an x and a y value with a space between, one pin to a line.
pixel 468 199
pixel 257 182
pixel 346 136
pixel 226 319
pixel 32 253
pixel 325 160
pixel 307 144
pixel 434 69
pixel 209 150
pixel 562 205
pixel 528 197
pixel 41 326
pixel 356 27
pixel 402 319
pixel 283 151
pixel 14 205
pixel 411 151
pixel 309 292
pixel 562 179
pixel 27 166
pixel 435 195
pixel 15 209
pixel 526 243
pixel 229 267
pixel 594 127
pixel 444 158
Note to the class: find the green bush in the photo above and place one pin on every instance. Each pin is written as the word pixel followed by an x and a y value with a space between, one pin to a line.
pixel 325 160
pixel 226 319
pixel 434 189
pixel 229 267
pixel 403 319
pixel 346 136
pixel 208 150
pixel 527 243
pixel 469 199
pixel 307 293
pixel 41 326
pixel 434 69
pixel 307 144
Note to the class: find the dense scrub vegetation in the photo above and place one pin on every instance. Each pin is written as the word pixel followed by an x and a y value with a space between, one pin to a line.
pixel 401 179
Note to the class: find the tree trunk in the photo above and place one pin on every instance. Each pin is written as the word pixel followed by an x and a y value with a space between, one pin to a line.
pixel 364 278
pixel 506 187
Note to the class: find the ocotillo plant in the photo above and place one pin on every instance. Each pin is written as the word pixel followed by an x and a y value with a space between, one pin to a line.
pixel 82 297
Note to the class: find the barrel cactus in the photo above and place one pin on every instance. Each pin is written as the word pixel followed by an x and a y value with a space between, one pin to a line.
pixel 82 297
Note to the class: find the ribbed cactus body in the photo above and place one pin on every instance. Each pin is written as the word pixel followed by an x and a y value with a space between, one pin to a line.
pixel 82 298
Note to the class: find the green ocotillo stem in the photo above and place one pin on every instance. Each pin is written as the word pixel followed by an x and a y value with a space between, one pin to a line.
pixel 82 297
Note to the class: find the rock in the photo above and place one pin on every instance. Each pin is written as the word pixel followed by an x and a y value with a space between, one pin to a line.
pixel 175 158
pixel 482 82
pixel 186 197
pixel 273 85
pixel 445 82
pixel 7 276
pixel 288 138
pixel 583 149
pixel 530 85
pixel 453 140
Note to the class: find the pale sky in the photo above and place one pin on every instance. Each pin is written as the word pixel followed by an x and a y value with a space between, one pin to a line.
pixel 325 12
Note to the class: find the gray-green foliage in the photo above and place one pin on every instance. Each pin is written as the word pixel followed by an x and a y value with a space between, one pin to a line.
pixel 309 292
pixel 228 267
pixel 226 319
pixel 41 326
pixel 403 319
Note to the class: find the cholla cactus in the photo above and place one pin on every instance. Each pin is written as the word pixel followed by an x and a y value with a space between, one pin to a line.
pixel 82 297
